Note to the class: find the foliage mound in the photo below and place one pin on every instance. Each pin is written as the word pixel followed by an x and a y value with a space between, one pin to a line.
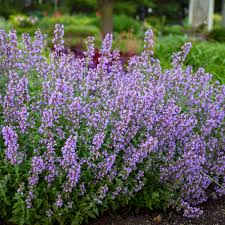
pixel 79 138
pixel 217 34
pixel 209 55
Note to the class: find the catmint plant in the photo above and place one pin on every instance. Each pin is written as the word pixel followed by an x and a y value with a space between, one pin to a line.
pixel 81 137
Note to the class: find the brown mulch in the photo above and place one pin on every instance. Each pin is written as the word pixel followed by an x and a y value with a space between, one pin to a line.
pixel 214 214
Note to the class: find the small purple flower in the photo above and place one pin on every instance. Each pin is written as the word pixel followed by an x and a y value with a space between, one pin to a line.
pixel 58 38
pixel 37 167
pixel 13 155
pixel 59 201
pixel 68 152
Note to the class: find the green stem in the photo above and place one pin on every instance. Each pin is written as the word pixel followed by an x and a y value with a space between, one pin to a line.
pixel 221 186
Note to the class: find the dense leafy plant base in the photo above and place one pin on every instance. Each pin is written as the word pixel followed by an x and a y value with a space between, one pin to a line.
pixel 80 138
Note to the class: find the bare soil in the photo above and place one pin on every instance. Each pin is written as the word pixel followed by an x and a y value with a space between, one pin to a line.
pixel 214 214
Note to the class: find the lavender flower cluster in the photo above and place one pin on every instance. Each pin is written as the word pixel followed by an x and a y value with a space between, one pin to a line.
pixel 90 129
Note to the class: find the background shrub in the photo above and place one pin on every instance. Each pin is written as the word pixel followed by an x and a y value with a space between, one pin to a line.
pixel 217 34
pixel 201 54
pixel 128 24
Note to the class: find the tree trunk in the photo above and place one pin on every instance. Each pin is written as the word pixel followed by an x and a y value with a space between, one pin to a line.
pixel 223 13
pixel 56 2
pixel 106 16
pixel 201 13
